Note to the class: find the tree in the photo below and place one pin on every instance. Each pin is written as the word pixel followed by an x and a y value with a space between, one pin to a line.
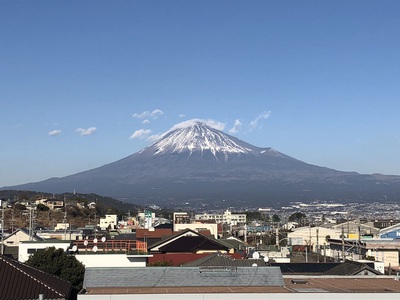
pixel 297 217
pixel 58 263
pixel 19 206
pixel 42 207
pixel 276 219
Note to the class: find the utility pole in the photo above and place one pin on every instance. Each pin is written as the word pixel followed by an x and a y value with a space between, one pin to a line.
pixel 12 221
pixel 348 223
pixel 343 255
pixel 31 217
pixel 65 224
pixel 317 245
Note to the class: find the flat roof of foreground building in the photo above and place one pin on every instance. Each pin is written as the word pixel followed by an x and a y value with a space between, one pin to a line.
pixel 231 283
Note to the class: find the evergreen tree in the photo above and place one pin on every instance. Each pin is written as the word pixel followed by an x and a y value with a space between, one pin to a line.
pixel 58 263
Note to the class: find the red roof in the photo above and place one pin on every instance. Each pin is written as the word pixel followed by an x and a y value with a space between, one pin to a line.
pixel 158 233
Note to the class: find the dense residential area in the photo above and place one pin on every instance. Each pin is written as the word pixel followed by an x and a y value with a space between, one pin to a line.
pixel 165 249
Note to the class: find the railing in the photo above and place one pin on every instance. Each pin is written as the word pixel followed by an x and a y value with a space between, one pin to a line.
pixel 110 246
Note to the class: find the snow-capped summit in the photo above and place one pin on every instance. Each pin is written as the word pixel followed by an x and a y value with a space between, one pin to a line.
pixel 200 137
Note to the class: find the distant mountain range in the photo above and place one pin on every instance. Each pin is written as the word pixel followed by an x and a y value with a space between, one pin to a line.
pixel 197 164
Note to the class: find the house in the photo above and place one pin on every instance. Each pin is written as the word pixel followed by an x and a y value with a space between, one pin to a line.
pixel 350 267
pixel 185 246
pixel 27 248
pixel 190 241
pixel 20 281
pixel 199 227
pixel 152 236
pixel 12 241
pixel 54 204
pixel 109 221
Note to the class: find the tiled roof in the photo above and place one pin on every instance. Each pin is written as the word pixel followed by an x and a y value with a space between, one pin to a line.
pixel 26 231
pixel 19 281
pixel 126 237
pixel 351 268
pixel 188 232
pixel 221 260
pixel 233 242
pixel 341 287
pixel 182 276
pixel 305 268
pixel 158 233
pixel 192 244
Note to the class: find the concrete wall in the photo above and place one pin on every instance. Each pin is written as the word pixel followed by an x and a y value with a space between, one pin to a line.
pixel 197 227
pixel 112 260
pixel 252 296
pixel 24 247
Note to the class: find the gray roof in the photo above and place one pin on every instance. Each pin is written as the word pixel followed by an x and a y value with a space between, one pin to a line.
pixel 183 277
pixel 221 260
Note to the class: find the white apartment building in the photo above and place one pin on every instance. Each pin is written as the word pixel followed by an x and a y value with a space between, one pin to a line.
pixel 226 218
pixel 108 220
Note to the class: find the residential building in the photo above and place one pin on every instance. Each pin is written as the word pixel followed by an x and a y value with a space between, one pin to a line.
pixel 109 221
pixel 226 218
pixel 28 248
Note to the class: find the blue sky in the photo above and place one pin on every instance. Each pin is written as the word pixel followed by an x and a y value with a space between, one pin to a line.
pixel 85 83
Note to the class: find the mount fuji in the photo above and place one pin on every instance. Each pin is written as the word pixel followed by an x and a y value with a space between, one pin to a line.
pixel 198 164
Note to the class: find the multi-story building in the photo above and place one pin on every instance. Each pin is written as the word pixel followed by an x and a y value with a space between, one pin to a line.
pixel 108 220
pixel 226 218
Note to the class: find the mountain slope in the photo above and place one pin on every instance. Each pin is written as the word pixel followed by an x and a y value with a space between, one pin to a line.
pixel 196 162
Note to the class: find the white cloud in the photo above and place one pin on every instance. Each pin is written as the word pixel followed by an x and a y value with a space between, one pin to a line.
pixel 146 115
pixel 236 126
pixel 146 121
pixel 141 134
pixel 182 116
pixel 54 132
pixel 86 132
pixel 254 123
